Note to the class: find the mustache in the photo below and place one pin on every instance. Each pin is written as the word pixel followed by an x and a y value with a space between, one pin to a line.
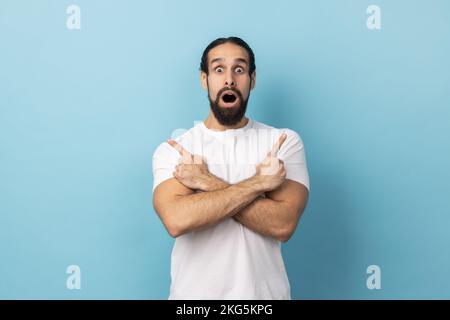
pixel 236 91
pixel 228 116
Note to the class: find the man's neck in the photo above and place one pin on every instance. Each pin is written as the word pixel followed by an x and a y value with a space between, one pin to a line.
pixel 212 123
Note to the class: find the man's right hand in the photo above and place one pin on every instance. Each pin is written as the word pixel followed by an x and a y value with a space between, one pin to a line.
pixel 270 173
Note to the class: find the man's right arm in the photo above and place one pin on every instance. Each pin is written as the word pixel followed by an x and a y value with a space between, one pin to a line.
pixel 182 211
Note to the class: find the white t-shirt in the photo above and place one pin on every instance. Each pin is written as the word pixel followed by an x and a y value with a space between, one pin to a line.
pixel 228 260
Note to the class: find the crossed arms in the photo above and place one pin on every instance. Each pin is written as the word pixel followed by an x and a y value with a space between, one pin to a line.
pixel 183 210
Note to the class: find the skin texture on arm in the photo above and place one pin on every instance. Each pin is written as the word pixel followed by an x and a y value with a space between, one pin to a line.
pixel 182 211
pixel 276 215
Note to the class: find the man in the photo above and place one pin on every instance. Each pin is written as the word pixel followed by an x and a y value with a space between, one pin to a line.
pixel 230 189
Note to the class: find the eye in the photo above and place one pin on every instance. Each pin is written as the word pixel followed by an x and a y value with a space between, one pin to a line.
pixel 219 69
pixel 239 70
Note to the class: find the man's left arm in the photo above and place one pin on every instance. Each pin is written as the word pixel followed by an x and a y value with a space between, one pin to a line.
pixel 277 214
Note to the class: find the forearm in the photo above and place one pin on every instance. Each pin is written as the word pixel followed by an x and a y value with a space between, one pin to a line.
pixel 183 211
pixel 263 215
pixel 267 217
pixel 203 209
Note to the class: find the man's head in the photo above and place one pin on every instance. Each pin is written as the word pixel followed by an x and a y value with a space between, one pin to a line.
pixel 228 73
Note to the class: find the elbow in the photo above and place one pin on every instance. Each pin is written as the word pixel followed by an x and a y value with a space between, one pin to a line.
pixel 287 230
pixel 285 234
pixel 173 232
pixel 174 228
pixel 170 221
pixel 172 225
pixel 284 238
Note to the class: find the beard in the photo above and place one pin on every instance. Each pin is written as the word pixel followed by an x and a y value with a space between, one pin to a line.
pixel 228 116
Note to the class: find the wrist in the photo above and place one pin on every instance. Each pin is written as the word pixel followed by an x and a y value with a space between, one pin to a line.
pixel 258 185
pixel 214 183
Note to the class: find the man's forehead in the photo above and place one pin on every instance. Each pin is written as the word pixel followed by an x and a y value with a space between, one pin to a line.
pixel 222 59
pixel 228 53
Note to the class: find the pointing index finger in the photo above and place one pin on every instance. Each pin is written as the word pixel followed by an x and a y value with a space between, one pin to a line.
pixel 186 156
pixel 276 147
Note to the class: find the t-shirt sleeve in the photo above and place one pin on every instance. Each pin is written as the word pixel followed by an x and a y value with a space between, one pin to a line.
pixel 292 152
pixel 165 159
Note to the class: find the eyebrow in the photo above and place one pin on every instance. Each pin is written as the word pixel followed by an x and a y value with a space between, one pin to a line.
pixel 236 60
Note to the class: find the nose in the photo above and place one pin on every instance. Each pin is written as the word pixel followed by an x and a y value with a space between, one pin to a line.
pixel 229 81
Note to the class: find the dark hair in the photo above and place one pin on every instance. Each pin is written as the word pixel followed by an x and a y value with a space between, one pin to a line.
pixel 234 40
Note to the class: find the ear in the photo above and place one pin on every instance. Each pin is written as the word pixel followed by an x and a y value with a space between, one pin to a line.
pixel 253 77
pixel 203 80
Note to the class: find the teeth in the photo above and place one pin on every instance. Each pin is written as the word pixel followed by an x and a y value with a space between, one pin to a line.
pixel 229 92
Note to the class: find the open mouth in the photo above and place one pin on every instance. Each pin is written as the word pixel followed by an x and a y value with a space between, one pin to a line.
pixel 229 98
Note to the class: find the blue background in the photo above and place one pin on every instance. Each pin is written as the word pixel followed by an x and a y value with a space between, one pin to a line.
pixel 81 112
